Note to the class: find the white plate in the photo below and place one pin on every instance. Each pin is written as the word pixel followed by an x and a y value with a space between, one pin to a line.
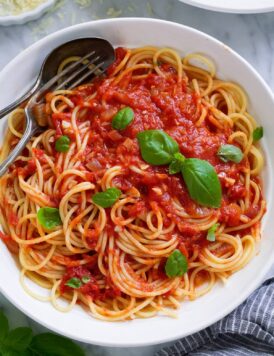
pixel 195 315
pixel 26 16
pixel 236 6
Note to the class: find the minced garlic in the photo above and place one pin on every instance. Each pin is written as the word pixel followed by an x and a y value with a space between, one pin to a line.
pixel 16 7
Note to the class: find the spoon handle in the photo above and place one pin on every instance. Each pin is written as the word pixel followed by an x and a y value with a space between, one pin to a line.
pixel 19 101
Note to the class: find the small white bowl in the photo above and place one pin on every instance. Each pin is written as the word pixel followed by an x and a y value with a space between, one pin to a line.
pixel 26 16
pixel 193 315
pixel 239 6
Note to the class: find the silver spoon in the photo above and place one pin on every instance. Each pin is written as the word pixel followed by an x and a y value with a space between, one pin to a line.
pixel 79 47
pixel 96 55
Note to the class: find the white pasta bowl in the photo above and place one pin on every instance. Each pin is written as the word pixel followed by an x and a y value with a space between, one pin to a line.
pixel 26 16
pixel 194 315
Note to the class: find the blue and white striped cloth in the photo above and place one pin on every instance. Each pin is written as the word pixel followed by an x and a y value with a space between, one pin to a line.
pixel 247 331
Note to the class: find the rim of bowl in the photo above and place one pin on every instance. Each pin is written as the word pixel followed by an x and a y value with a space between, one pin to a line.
pixel 228 308
pixel 27 15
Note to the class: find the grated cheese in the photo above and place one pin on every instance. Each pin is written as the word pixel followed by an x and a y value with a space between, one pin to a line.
pixel 111 12
pixel 83 3
pixel 15 7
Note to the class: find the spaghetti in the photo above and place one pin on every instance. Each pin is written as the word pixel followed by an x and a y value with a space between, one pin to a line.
pixel 113 260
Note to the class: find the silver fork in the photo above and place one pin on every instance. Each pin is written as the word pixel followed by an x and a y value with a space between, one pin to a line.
pixel 74 78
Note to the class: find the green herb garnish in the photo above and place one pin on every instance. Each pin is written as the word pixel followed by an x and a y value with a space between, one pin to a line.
pixel 230 153
pixel 85 279
pixel 202 182
pixel 62 144
pixel 176 264
pixel 107 198
pixel 74 283
pixel 211 232
pixel 123 118
pixel 49 217
pixel 258 133
pixel 176 164
pixel 157 147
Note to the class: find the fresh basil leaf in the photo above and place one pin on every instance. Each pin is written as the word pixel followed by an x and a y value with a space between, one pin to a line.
pixel 211 232
pixel 85 279
pixel 4 326
pixel 107 198
pixel 230 153
pixel 176 264
pixel 6 351
pixel 123 118
pixel 176 164
pixel 49 217
pixel 18 339
pixel 157 147
pixel 62 144
pixel 28 352
pixel 202 182
pixel 48 344
pixel 74 283
pixel 258 133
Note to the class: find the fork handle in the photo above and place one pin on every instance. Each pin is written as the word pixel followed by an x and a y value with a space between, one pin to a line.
pixel 19 101
pixel 31 129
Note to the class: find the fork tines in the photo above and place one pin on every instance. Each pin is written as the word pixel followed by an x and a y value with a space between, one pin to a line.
pixel 74 74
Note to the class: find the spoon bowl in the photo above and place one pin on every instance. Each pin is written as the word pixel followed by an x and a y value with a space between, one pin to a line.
pixel 79 48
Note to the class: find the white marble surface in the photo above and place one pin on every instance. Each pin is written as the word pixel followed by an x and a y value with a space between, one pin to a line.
pixel 250 35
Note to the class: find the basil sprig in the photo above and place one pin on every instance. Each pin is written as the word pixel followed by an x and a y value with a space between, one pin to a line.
pixel 62 144
pixel 16 340
pixel 76 282
pixel 176 164
pixel 107 198
pixel 123 118
pixel 211 232
pixel 176 264
pixel 258 133
pixel 21 342
pixel 49 217
pixel 230 153
pixel 158 148
pixel 48 344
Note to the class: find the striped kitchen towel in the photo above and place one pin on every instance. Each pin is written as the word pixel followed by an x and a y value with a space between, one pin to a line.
pixel 247 331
